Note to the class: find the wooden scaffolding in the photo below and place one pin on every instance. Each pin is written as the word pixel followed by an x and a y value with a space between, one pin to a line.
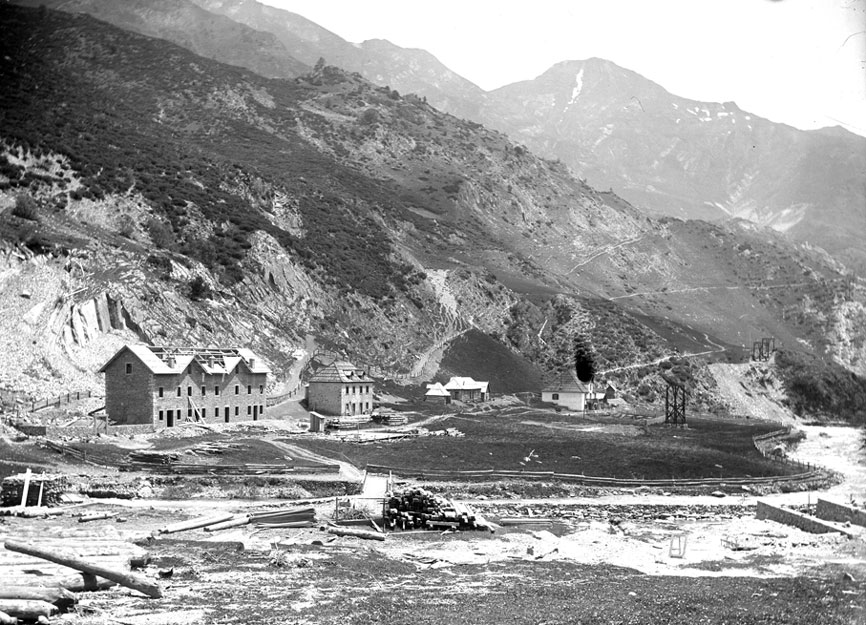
pixel 675 402
pixel 761 350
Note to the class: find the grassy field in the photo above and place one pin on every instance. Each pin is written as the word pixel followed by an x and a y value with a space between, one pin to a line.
pixel 544 441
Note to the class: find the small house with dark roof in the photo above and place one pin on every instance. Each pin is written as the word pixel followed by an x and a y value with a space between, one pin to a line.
pixel 340 389
pixel 164 386
pixel 567 391
pixel 467 389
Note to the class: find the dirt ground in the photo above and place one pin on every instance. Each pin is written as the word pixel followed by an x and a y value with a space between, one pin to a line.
pixel 626 557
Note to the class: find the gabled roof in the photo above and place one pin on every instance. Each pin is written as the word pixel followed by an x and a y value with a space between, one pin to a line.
pixel 342 372
pixel 466 384
pixel 567 382
pixel 175 360
pixel 436 390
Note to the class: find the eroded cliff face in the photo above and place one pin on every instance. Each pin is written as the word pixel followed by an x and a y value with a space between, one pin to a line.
pixel 64 316
pixel 848 342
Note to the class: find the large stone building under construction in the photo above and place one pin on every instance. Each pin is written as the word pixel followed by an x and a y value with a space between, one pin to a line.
pixel 166 385
pixel 340 388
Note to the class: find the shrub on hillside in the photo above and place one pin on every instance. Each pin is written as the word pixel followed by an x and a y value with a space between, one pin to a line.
pixel 25 207
pixel 821 388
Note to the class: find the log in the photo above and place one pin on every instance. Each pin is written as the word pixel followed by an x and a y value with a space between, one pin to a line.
pixel 5 619
pixel 195 523
pixel 34 511
pixel 27 609
pixel 345 531
pixel 236 522
pixel 96 516
pixel 60 597
pixel 73 582
pixel 287 524
pixel 124 578
pixel 84 582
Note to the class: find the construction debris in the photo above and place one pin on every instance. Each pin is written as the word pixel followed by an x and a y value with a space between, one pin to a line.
pixel 196 523
pixel 347 531
pixel 392 419
pixel 287 517
pixel 419 509
pixel 33 489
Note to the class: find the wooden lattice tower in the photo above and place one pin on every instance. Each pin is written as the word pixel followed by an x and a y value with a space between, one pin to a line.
pixel 761 350
pixel 675 402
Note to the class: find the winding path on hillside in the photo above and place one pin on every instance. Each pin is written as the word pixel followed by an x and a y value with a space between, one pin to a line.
pixel 728 287
pixel 608 249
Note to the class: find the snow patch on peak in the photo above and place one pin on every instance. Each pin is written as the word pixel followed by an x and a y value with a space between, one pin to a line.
pixel 578 87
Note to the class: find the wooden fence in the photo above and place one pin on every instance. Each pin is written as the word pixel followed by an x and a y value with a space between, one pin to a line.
pixel 60 400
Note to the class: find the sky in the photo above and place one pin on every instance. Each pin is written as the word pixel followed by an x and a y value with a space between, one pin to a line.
pixel 800 62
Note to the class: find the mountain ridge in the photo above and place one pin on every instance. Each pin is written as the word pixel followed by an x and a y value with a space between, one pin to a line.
pixel 331 207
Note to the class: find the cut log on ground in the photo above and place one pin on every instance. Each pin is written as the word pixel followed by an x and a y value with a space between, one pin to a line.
pixel 345 531
pixel 124 578
pixel 196 523
pixel 73 581
pixel 5 619
pixel 27 609
pixel 56 595
pixel 96 516
pixel 236 522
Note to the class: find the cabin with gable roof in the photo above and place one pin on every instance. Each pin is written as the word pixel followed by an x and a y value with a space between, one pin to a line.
pixel 467 389
pixel 164 386
pixel 567 391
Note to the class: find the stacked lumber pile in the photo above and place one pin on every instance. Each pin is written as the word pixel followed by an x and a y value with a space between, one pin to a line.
pixel 419 509
pixel 153 457
pixel 287 517
pixel 348 421
pixel 42 489
pixel 210 448
pixel 42 569
pixel 392 419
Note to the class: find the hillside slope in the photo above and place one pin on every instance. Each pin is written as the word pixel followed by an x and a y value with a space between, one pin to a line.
pixel 612 127
pixel 174 199
pixel 691 159
pixel 182 22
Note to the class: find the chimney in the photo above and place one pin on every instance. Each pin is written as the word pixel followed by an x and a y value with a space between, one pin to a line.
pixel 170 360
pixel 252 363
pixel 210 362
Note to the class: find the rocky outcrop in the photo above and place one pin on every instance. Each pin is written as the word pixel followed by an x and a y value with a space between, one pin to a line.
pixel 99 314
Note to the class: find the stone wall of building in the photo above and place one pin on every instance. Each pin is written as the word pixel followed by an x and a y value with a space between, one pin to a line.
pixel 239 396
pixel 129 391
